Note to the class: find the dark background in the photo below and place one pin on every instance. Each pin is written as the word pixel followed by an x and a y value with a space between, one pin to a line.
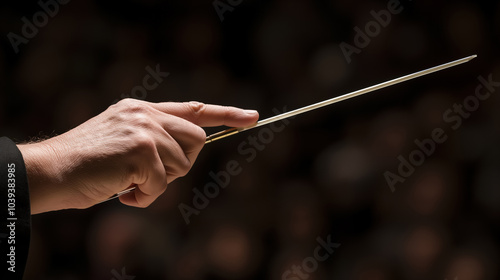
pixel 322 176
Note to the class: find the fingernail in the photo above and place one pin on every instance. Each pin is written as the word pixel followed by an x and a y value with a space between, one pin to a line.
pixel 250 112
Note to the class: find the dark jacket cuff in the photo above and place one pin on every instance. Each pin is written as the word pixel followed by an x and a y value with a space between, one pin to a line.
pixel 15 213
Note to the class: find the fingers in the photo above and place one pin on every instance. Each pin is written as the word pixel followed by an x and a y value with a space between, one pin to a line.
pixel 177 143
pixel 176 161
pixel 154 185
pixel 209 115
pixel 190 136
pixel 178 138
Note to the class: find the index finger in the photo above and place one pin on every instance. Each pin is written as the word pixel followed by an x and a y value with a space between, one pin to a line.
pixel 209 115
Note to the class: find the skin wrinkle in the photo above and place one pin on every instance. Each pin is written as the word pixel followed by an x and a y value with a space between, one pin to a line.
pixel 197 108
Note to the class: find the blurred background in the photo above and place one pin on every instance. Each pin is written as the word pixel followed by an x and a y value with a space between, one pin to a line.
pixel 323 175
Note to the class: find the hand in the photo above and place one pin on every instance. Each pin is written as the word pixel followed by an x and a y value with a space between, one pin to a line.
pixel 131 143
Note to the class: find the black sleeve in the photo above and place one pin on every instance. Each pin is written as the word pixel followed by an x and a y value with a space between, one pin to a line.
pixel 15 217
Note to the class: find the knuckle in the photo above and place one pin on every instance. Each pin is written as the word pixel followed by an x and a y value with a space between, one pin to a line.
pixel 142 121
pixel 142 142
pixel 199 135
pixel 195 108
pixel 131 105
pixel 126 102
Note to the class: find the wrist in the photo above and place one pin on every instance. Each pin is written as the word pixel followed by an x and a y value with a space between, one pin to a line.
pixel 45 177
